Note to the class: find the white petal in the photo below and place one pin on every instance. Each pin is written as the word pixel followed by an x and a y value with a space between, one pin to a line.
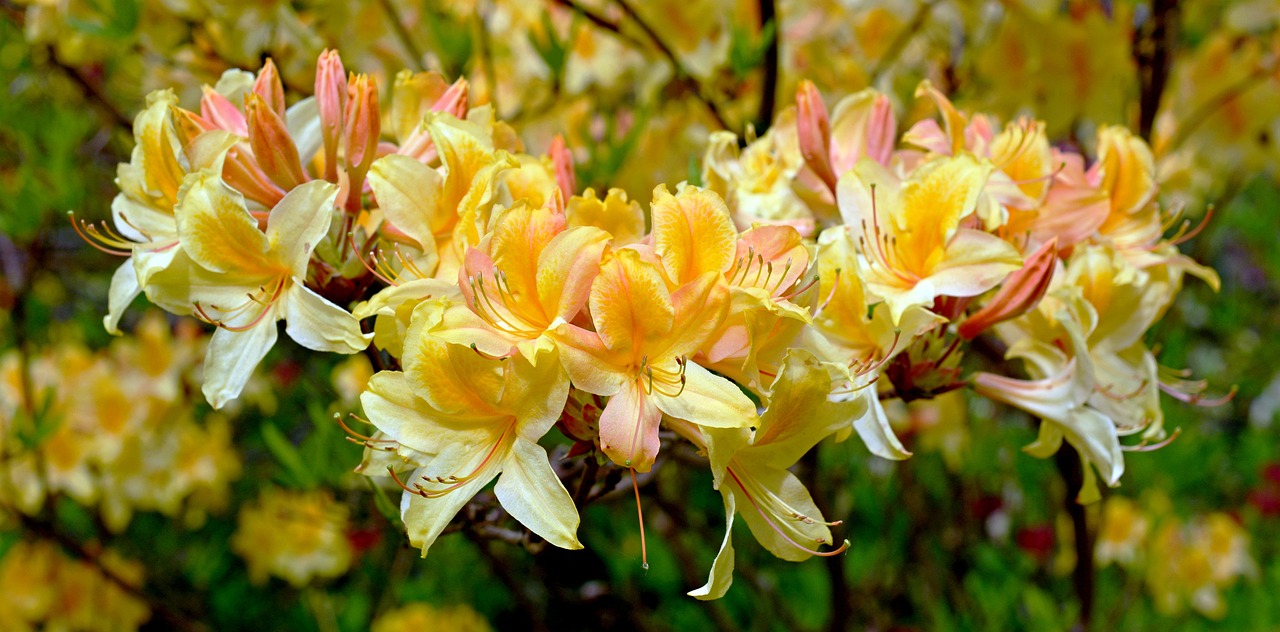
pixel 532 493
pixel 315 323
pixel 231 358
pixel 124 288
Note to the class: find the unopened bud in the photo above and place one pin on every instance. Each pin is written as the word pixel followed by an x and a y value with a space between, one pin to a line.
pixel 1020 292
pixel 222 113
pixel 363 124
pixel 562 160
pixel 814 130
pixel 331 97
pixel 272 145
pixel 270 88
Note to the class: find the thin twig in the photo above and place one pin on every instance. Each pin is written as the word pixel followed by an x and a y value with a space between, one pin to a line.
pixel 599 20
pixel 1082 577
pixel 402 34
pixel 681 70
pixel 1155 42
pixel 899 43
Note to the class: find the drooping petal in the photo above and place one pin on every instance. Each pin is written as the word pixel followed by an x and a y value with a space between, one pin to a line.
pixel 231 358
pixel 721 577
pixel 799 414
pixel 874 429
pixel 532 493
pixel 778 510
pixel 124 288
pixel 425 518
pixel 629 428
pixel 317 324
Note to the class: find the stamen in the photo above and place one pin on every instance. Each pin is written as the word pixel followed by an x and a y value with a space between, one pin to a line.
pixel 644 549
pixel 359 252
pixel 105 240
pixel 779 531
pixel 1145 447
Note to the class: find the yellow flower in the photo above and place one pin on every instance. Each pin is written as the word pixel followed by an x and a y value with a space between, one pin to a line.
pixel 297 536
pixel 1122 534
pixel 914 247
pixel 227 258
pixel 459 420
pixel 416 617
pixel 750 468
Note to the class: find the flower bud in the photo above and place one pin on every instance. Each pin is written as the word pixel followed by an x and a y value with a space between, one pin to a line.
pixel 814 130
pixel 1020 292
pixel 272 145
pixel 331 97
pixel 220 111
pixel 270 88
pixel 362 126
pixel 562 160
pixel 454 100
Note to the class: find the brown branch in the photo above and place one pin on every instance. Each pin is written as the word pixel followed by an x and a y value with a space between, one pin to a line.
pixel 1082 576
pixel 402 34
pixel 899 43
pixel 599 20
pixel 1152 54
pixel 680 69
pixel 772 54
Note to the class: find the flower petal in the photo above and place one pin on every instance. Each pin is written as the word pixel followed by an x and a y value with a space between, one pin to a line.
pixel 532 493
pixel 231 358
pixel 317 324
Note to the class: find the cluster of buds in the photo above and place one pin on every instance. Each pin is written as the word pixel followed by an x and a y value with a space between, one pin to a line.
pixel 114 429
pixel 826 266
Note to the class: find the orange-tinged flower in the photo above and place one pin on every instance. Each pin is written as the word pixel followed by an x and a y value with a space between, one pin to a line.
pixel 914 247
pixel 639 355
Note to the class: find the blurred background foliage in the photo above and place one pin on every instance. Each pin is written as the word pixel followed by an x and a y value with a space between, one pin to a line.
pixel 154 512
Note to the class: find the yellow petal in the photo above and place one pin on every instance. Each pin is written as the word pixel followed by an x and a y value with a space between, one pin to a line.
pixel 629 428
pixel 298 223
pixel 692 233
pixel 721 577
pixel 409 194
pixel 708 400
pixel 630 302
pixel 532 493
pixel 231 358
pixel 615 214
pixel 217 230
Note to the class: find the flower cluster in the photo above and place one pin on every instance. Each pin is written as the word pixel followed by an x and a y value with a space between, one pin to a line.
pixel 297 536
pixel 1184 562
pixel 42 589
pixel 114 429
pixel 831 263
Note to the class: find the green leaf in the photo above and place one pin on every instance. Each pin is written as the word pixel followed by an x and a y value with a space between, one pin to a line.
pixel 288 456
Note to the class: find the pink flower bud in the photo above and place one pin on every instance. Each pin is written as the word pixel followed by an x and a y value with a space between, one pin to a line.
pixel 269 87
pixel 562 160
pixel 814 129
pixel 362 128
pixel 220 111
pixel 331 97
pixel 272 146
pixel 1020 292
pixel 455 100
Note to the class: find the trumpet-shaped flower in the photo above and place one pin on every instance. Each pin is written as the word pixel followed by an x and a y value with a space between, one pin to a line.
pixel 639 356
pixel 750 469
pixel 245 280
pixel 914 247
pixel 533 273
pixel 460 420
